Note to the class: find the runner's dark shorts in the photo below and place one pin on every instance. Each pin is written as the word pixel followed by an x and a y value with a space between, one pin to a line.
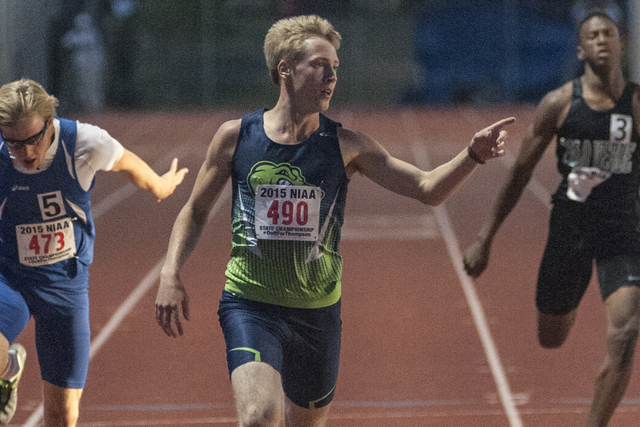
pixel 303 345
pixel 577 237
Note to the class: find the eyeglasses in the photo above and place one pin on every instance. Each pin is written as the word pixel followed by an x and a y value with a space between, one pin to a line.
pixel 32 140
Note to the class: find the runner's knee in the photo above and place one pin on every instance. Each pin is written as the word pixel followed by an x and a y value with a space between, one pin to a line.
pixel 4 355
pixel 553 329
pixel 621 346
pixel 257 415
pixel 623 315
pixel 61 416
pixel 61 405
pixel 258 394
pixel 547 340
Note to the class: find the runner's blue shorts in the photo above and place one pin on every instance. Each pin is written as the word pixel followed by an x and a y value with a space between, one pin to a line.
pixel 61 314
pixel 303 345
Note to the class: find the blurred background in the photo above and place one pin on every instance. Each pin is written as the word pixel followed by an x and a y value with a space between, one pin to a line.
pixel 98 55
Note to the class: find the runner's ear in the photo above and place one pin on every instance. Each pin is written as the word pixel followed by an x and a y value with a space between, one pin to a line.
pixel 283 70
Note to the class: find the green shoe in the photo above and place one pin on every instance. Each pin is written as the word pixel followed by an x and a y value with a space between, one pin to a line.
pixel 9 389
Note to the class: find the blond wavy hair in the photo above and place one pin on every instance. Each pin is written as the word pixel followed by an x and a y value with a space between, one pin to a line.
pixel 285 40
pixel 22 98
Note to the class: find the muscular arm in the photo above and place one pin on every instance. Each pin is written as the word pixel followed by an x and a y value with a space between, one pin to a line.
pixel 211 179
pixel 141 174
pixel 365 155
pixel 636 108
pixel 549 115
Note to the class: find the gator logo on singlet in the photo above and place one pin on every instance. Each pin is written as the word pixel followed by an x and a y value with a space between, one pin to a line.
pixel 268 173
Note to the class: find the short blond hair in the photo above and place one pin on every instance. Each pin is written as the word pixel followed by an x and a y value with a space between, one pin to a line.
pixel 22 98
pixel 285 40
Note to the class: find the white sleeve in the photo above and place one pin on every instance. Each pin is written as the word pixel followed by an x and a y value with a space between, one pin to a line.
pixel 96 150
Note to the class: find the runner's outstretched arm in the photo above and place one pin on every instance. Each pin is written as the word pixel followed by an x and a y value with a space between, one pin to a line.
pixel 212 177
pixel 141 174
pixel 429 187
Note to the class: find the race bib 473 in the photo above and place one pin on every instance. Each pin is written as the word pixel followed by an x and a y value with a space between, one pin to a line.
pixel 46 243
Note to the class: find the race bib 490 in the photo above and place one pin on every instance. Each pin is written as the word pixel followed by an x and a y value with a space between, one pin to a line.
pixel 287 212
pixel 46 243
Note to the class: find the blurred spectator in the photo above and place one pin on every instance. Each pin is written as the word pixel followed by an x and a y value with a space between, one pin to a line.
pixel 122 49
pixel 60 57
pixel 83 40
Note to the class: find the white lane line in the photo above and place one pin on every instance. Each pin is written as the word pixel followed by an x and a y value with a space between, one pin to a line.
pixel 479 318
pixel 390 227
pixel 134 297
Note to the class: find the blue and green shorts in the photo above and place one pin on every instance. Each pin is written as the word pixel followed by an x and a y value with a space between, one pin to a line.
pixel 303 345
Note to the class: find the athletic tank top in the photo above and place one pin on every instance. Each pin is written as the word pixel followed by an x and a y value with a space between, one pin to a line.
pixel 46 227
pixel 597 153
pixel 287 214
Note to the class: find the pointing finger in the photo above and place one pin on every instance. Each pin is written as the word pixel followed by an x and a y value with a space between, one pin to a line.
pixel 502 123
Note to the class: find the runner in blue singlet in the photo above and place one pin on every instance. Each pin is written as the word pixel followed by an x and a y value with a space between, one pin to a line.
pixel 47 170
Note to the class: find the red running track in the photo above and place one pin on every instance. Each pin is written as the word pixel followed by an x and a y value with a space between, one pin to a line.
pixel 422 345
